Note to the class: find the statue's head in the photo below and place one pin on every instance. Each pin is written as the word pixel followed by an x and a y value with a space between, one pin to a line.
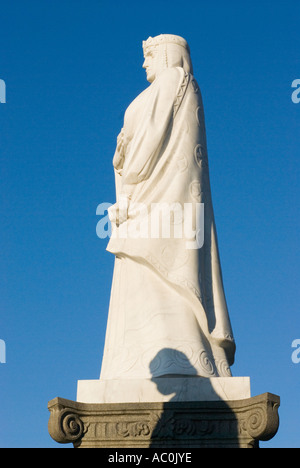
pixel 165 51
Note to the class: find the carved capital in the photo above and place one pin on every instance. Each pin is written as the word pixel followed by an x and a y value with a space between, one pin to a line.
pixel 262 420
pixel 210 424
pixel 64 424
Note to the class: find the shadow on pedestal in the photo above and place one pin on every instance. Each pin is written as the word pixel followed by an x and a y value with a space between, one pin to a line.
pixel 172 424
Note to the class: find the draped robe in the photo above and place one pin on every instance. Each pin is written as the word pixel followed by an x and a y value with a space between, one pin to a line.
pixel 168 312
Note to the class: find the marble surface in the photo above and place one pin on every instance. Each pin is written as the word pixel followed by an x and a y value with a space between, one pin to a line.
pixel 168 313
pixel 164 389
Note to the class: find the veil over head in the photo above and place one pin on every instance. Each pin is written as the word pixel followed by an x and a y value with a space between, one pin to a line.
pixel 172 50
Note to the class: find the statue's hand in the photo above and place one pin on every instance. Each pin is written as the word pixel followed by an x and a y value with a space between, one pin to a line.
pixel 123 208
pixel 118 213
pixel 113 213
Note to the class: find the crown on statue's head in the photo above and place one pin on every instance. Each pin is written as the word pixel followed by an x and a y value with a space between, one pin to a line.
pixel 163 39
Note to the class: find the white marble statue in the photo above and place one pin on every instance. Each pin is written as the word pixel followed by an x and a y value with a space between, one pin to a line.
pixel 168 313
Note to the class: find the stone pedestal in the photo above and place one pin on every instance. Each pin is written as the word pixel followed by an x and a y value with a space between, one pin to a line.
pixel 173 424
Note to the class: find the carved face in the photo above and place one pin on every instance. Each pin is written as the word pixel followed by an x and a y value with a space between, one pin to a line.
pixel 165 55
pixel 150 64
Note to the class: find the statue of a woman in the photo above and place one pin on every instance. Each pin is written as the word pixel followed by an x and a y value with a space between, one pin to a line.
pixel 167 297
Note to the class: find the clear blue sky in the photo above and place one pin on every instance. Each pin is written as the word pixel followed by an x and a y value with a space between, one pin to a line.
pixel 71 68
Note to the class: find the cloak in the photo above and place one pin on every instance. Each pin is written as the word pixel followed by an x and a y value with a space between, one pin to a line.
pixel 162 161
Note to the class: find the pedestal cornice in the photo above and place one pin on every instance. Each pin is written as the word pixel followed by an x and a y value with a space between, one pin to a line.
pixel 230 424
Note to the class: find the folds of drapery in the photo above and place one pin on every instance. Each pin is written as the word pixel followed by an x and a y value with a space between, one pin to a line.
pixel 164 160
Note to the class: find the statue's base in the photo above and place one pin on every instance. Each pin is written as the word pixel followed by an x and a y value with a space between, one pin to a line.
pixel 175 424
pixel 163 389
